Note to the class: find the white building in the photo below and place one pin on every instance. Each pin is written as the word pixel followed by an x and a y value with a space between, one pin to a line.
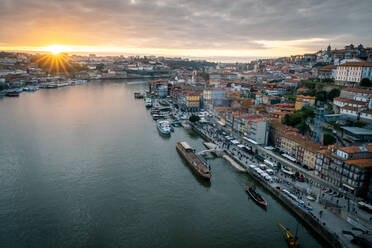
pixel 353 72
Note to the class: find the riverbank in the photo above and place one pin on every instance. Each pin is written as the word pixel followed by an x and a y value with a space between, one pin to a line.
pixel 330 234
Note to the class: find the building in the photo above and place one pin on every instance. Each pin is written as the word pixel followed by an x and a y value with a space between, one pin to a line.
pixel 304 101
pixel 357 134
pixel 351 73
pixel 251 126
pixel 355 106
pixel 302 148
pixel 348 168
pixel 190 100
pixel 327 72
pixel 277 129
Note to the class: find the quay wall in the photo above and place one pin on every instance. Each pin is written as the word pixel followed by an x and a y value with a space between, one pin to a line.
pixel 196 130
pixel 328 237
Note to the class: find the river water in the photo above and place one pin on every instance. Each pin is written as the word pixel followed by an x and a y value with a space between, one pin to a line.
pixel 85 166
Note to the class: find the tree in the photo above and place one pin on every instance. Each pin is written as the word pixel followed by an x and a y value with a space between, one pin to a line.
pixel 194 118
pixel 333 93
pixel 366 82
pixel 328 139
pixel 321 96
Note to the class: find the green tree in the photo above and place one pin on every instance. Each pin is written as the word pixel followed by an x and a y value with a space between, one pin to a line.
pixel 194 118
pixel 366 82
pixel 328 139
pixel 310 85
pixel 333 93
pixel 321 96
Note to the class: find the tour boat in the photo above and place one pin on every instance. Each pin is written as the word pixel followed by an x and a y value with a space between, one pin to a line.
pixel 163 127
pixel 148 102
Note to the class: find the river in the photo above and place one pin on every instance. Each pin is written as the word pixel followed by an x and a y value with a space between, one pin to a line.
pixel 85 166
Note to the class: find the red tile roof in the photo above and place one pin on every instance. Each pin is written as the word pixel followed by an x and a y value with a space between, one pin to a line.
pixel 357 64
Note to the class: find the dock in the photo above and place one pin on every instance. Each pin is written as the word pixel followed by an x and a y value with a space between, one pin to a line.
pixel 210 145
pixel 233 163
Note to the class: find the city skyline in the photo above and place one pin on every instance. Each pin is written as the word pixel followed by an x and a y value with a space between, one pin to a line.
pixel 217 29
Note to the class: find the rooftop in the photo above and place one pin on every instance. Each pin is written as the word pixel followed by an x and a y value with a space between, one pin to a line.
pixel 358 90
pixel 341 99
pixel 358 130
pixel 357 64
pixel 361 163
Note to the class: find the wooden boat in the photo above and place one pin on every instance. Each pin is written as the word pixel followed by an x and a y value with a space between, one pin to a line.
pixel 256 196
pixel 290 238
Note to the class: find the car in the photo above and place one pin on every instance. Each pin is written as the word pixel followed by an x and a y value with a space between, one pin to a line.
pixel 301 179
pixel 310 198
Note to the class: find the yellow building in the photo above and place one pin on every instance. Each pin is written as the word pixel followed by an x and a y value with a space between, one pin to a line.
pixel 302 148
pixel 302 101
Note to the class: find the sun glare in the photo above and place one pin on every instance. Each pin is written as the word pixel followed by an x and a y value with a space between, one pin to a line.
pixel 56 49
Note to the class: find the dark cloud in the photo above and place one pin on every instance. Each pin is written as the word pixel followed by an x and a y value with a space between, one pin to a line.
pixel 216 24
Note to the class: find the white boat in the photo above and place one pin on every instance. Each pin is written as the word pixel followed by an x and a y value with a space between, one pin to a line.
pixel 164 127
pixel 148 102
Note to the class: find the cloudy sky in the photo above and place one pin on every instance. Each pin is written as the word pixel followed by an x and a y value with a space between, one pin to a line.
pixel 203 28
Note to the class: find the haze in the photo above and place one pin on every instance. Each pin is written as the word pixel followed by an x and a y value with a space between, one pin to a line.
pixel 214 28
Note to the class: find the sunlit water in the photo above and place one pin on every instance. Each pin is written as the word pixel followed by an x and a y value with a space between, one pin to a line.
pixel 85 166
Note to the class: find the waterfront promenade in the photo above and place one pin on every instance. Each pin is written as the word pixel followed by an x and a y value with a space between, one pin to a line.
pixel 324 214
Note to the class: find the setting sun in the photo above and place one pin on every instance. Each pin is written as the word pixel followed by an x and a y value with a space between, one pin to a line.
pixel 56 49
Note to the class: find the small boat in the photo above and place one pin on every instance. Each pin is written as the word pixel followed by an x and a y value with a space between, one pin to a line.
pixel 256 196
pixel 158 117
pixel 31 88
pixel 12 93
pixel 52 86
pixel 186 125
pixel 176 123
pixel 148 102
pixel 163 127
pixel 138 95
pixel 291 239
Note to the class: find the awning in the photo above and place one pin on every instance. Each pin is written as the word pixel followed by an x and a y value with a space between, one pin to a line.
pixel 250 140
pixel 347 186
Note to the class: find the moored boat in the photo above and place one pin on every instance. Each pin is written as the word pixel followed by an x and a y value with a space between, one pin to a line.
pixel 197 164
pixel 157 117
pixel 138 95
pixel 163 127
pixel 13 92
pixel 256 196
pixel 291 239
pixel 148 102
pixel 31 88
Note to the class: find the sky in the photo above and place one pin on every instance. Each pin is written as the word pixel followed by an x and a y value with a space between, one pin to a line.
pixel 196 28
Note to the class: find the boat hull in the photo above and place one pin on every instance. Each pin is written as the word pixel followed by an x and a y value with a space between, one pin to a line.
pixel 12 94
pixel 261 202
pixel 163 132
